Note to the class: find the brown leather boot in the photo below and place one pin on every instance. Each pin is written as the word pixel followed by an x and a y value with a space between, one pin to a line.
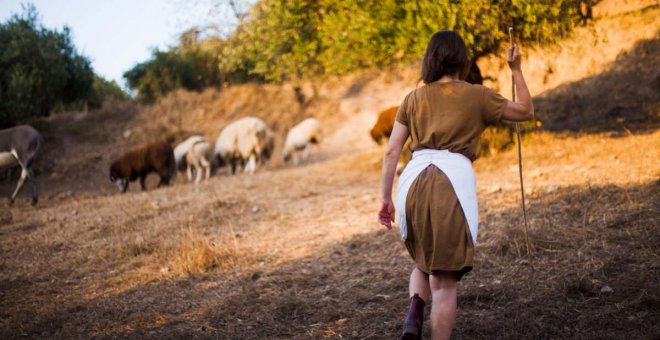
pixel 412 327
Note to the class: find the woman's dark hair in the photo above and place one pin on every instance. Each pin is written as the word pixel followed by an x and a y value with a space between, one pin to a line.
pixel 445 54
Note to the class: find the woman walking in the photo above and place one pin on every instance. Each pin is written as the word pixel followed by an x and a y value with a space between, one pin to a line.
pixel 436 194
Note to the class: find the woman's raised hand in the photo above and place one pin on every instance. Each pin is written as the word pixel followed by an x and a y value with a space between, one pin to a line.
pixel 386 213
pixel 513 57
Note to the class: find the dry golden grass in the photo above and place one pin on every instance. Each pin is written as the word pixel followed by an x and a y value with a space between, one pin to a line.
pixel 195 254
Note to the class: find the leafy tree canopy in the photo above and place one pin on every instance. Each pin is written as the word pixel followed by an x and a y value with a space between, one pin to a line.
pixel 40 69
pixel 192 65
pixel 293 39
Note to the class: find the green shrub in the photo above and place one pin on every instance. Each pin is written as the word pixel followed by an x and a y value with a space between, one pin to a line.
pixel 39 69
pixel 192 67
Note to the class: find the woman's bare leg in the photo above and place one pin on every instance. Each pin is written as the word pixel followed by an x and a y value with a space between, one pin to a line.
pixel 443 309
pixel 419 293
pixel 419 284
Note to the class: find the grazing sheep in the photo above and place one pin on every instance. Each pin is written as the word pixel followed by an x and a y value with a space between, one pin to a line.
pixel 384 125
pixel 199 157
pixel 138 162
pixel 18 146
pixel 182 148
pixel 300 138
pixel 246 143
pixel 383 129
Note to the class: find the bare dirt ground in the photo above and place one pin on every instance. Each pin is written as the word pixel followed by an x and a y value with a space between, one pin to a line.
pixel 297 252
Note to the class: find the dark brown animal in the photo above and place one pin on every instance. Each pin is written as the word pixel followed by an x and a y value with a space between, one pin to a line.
pixel 384 124
pixel 138 162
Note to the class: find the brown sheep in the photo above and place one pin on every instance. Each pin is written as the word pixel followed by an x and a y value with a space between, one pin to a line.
pixel 138 162
pixel 383 129
pixel 384 125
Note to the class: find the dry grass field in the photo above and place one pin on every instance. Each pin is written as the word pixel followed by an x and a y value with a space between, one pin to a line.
pixel 296 252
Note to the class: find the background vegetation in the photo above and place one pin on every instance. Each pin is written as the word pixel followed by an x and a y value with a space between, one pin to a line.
pixel 294 40
pixel 41 70
pixel 193 65
pixel 275 41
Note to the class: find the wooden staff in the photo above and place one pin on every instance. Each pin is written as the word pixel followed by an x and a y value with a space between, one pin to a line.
pixel 520 170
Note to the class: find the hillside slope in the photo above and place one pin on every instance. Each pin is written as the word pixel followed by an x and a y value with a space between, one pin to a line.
pixel 580 84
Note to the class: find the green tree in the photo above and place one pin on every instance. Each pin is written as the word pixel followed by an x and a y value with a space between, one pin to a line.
pixel 292 39
pixel 192 65
pixel 278 42
pixel 39 69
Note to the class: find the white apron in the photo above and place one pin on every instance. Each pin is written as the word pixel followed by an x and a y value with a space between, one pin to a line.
pixel 459 170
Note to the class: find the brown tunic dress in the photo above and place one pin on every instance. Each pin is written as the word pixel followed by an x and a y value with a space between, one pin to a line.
pixel 443 116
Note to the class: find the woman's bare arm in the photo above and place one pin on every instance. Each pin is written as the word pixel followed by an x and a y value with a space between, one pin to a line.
pixel 397 139
pixel 523 108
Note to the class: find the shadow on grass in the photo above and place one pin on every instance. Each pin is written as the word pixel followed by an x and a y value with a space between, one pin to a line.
pixel 627 96
pixel 595 275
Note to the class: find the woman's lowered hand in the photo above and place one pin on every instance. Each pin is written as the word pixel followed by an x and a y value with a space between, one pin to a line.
pixel 386 213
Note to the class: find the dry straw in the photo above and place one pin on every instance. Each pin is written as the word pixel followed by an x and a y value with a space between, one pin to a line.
pixel 196 254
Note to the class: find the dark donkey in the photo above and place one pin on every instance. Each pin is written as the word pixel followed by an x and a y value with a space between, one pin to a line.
pixel 18 146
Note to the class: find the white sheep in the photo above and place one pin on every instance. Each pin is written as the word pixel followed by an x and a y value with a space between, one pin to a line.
pixel 245 142
pixel 182 148
pixel 196 153
pixel 199 157
pixel 300 138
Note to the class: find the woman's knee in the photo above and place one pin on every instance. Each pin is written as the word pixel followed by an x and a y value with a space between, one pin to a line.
pixel 442 280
